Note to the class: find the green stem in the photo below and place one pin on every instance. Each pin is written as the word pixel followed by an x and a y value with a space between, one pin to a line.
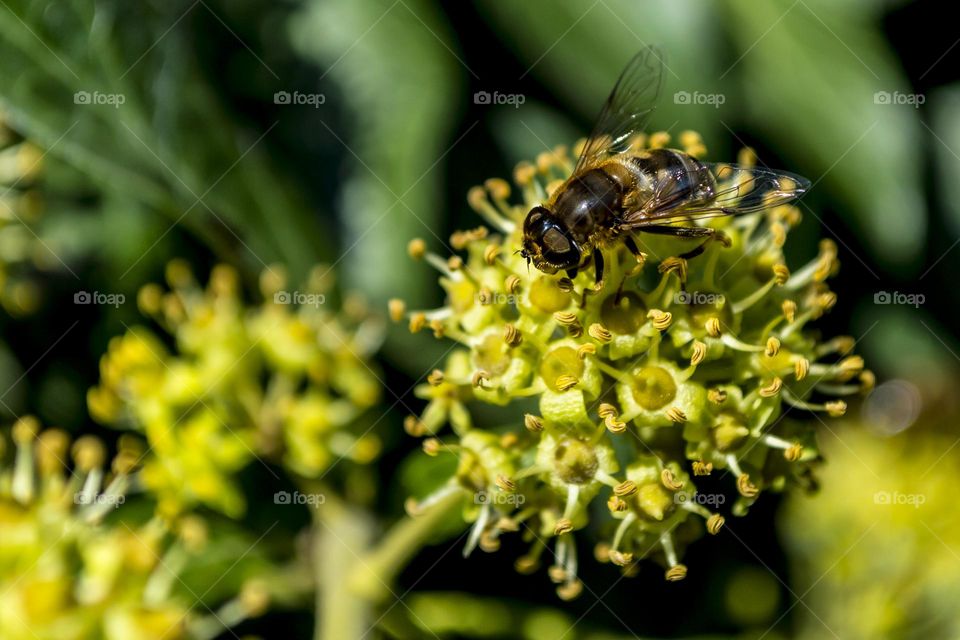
pixel 340 536
pixel 372 578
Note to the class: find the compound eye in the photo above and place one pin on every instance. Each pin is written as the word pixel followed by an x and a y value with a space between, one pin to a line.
pixel 555 242
pixel 559 250
pixel 535 218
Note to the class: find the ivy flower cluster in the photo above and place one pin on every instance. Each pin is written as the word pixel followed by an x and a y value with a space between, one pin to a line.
pixel 285 381
pixel 70 569
pixel 625 394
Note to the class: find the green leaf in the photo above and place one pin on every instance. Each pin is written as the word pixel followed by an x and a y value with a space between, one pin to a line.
pixel 118 93
pixel 812 72
pixel 579 50
pixel 399 82
pixel 523 133
pixel 945 109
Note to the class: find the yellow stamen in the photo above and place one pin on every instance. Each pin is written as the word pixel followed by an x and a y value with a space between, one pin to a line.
pixel 599 333
pixel 771 389
pixel 417 248
pixel 670 481
pixel 532 423
pixel 699 353
pixel 397 309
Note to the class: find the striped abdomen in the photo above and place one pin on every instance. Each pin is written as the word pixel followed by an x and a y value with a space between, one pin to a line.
pixel 665 179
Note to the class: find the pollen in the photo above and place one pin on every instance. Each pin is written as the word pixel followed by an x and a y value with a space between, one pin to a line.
pixel 772 389
pixel 675 414
pixel 625 489
pixel 772 347
pixel 661 320
pixel 599 333
pixel 712 327
pixel 698 354
pixel 566 382
pixel 746 488
pixel 532 423
pixel 670 481
pixel 676 573
pixel 512 335
pixel 715 523
pixel 701 468
pixel 397 309
pixel 417 248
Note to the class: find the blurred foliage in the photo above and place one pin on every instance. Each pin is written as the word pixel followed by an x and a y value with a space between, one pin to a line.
pixel 579 51
pixel 399 128
pixel 114 90
pixel 399 88
pixel 865 150
pixel 945 108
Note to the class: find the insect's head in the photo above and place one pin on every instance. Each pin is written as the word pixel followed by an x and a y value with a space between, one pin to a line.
pixel 547 243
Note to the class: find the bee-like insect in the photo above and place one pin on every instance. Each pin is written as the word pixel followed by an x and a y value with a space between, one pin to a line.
pixel 616 188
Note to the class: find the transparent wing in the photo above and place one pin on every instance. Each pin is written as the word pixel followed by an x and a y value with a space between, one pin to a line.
pixel 723 189
pixel 627 109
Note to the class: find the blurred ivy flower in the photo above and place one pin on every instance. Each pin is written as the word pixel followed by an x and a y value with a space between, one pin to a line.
pixel 674 369
pixel 879 539
pixel 70 570
pixel 21 165
pixel 284 380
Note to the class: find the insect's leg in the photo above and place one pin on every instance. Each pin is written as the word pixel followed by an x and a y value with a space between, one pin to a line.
pixel 631 246
pixel 716 235
pixel 696 251
pixel 680 232
pixel 690 232
pixel 598 268
pixel 597 258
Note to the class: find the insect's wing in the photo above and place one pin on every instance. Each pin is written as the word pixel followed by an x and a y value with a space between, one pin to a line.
pixel 627 109
pixel 734 190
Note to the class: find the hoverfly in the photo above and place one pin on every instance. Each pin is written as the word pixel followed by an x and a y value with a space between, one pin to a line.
pixel 616 189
